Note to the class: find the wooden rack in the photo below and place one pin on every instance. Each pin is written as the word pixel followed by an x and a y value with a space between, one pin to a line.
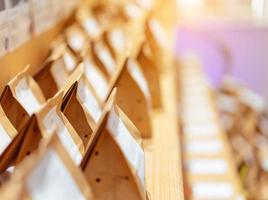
pixel 163 156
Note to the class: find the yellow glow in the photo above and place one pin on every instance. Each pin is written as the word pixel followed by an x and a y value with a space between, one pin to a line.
pixel 189 4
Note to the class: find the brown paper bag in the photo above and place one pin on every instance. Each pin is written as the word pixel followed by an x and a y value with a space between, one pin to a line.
pixel 96 78
pixel 89 23
pixel 56 71
pixel 103 58
pixel 115 158
pixel 156 37
pixel 21 98
pixel 81 107
pixel 43 174
pixel 76 39
pixel 116 40
pixel 51 119
pixel 9 142
pixel 151 73
pixel 133 95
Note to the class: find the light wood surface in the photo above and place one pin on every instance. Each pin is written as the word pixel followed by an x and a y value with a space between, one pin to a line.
pixel 163 160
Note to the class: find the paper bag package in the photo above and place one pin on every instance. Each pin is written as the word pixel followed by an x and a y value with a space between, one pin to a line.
pixel 96 78
pixel 116 40
pixel 156 37
pixel 133 95
pixel 21 98
pixel 244 117
pixel 151 73
pixel 115 157
pixel 89 23
pixel 81 107
pixel 76 39
pixel 56 71
pixel 9 142
pixel 103 58
pixel 48 120
pixel 43 174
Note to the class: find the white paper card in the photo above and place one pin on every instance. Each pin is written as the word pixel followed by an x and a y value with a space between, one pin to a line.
pixel 106 58
pixel 207 147
pixel 158 33
pixel 130 148
pixel 118 40
pixel 207 129
pixel 213 190
pixel 207 166
pixel 5 139
pixel 59 73
pixel 26 97
pixel 69 62
pixel 91 26
pixel 96 80
pixel 89 100
pixel 138 76
pixel 77 42
pixel 50 179
pixel 53 122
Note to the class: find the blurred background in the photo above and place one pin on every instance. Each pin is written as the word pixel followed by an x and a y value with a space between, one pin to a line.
pixel 230 40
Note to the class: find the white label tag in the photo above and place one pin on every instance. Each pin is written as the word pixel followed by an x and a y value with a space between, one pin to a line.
pixel 207 129
pixel 118 40
pixel 106 58
pixel 207 166
pixel 130 148
pixel 158 33
pixel 133 11
pixel 213 190
pixel 98 82
pixel 69 62
pixel 137 75
pixel 59 73
pixel 47 179
pixel 5 139
pixel 77 42
pixel 89 100
pixel 53 122
pixel 92 26
pixel 207 147
pixel 26 97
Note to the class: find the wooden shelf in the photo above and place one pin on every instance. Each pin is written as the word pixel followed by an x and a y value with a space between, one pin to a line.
pixel 163 156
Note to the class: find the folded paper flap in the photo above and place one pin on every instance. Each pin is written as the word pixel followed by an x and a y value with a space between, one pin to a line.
pixel 96 79
pixel 56 101
pixel 116 145
pixel 117 75
pixel 104 57
pixel 130 125
pixel 87 98
pixel 54 158
pixel 76 39
pixel 131 97
pixel 54 120
pixel 14 111
pixel 24 73
pixel 7 125
pixel 89 23
pixel 78 115
pixel 73 78
pixel 99 127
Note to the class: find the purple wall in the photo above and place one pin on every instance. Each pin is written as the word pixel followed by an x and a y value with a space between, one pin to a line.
pixel 237 49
